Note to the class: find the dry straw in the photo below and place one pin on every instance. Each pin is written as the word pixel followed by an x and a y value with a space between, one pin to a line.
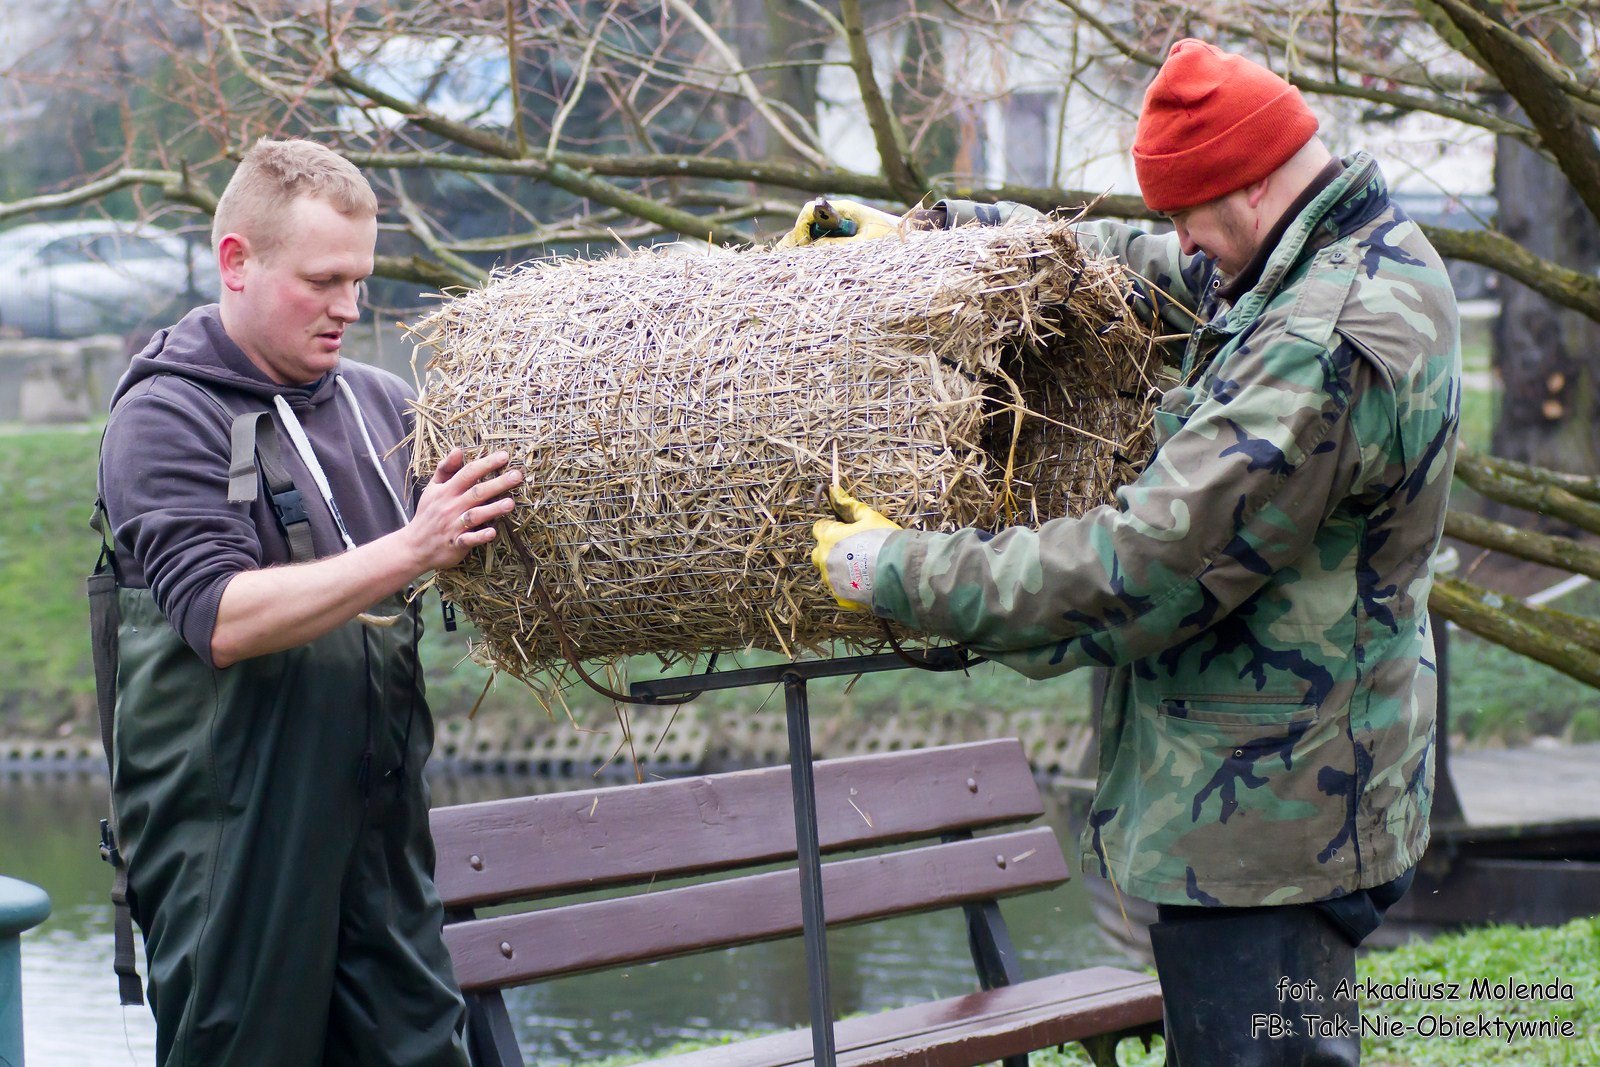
pixel 679 414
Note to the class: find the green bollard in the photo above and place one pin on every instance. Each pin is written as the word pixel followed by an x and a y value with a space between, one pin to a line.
pixel 22 907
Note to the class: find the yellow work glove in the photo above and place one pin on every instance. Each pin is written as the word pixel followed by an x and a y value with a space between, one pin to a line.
pixel 823 222
pixel 847 551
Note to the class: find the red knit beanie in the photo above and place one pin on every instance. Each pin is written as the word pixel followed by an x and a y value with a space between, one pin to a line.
pixel 1214 122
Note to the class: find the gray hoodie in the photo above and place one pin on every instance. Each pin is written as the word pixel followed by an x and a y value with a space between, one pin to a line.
pixel 164 467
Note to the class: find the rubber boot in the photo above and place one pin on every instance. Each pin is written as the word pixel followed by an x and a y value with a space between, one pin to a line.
pixel 1256 988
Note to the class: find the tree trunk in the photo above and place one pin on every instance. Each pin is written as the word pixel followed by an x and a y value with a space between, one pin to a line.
pixel 920 97
pixel 1547 358
pixel 771 34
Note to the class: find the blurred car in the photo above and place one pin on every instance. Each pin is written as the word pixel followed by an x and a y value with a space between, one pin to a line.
pixel 72 279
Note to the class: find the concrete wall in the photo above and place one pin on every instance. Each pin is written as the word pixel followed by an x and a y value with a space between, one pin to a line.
pixel 44 382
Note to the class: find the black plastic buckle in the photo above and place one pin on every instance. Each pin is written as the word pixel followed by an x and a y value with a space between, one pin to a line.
pixel 108 844
pixel 290 506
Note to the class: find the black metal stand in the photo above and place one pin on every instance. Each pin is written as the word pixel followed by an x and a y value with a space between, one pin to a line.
pixel 1446 801
pixel 794 677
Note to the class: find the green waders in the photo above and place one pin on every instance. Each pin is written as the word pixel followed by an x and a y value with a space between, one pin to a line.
pixel 274 820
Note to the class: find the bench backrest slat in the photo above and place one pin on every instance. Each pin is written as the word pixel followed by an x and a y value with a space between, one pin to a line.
pixel 526 947
pixel 529 847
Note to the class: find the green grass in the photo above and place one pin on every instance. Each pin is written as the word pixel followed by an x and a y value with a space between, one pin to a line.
pixel 1498 695
pixel 1479 409
pixel 1569 954
pixel 47 480
pixel 1475 343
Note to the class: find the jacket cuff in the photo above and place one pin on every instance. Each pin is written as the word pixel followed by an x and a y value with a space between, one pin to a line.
pixel 970 212
pixel 894 578
pixel 200 621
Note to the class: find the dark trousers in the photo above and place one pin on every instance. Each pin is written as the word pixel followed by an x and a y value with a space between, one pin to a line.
pixel 275 821
pixel 1268 986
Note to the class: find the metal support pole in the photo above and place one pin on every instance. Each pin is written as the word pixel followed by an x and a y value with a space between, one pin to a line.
pixel 810 869
pixel 1446 801
pixel 808 851
pixel 22 907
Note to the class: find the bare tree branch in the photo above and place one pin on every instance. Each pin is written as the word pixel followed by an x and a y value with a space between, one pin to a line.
pixel 1563 552
pixel 462 134
pixel 752 93
pixel 423 231
pixel 1401 102
pixel 1539 633
pixel 783 174
pixel 514 79
pixel 556 173
pixel 417 269
pixel 1525 76
pixel 1564 79
pixel 176 186
pixel 1570 288
pixel 579 80
pixel 886 132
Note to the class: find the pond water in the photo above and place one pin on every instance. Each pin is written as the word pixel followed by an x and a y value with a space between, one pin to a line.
pixel 72 1019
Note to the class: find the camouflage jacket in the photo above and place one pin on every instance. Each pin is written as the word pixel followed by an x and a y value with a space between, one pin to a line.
pixel 1262 588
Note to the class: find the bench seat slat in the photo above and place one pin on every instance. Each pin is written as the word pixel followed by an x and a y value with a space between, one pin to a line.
pixel 672 922
pixel 974 1028
pixel 527 847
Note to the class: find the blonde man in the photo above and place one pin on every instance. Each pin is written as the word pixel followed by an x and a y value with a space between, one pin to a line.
pixel 271 725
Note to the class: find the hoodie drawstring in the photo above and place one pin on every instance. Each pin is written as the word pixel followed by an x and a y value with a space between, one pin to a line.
pixel 308 456
pixel 372 453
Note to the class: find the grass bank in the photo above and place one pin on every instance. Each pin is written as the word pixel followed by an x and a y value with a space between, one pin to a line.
pixel 47 480
pixel 1492 956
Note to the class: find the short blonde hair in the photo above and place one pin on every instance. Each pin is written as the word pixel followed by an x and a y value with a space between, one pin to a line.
pixel 274 174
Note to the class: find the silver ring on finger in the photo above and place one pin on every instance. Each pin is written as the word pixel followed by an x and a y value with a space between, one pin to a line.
pixel 466 519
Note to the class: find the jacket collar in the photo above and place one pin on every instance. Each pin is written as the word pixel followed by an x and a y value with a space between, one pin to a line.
pixel 1355 196
pixel 1246 279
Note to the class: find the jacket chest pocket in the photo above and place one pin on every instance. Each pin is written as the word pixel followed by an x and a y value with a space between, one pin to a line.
pixel 1176 405
pixel 1201 351
pixel 1199 373
pixel 1179 403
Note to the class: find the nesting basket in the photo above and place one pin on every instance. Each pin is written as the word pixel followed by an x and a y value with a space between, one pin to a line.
pixel 679 415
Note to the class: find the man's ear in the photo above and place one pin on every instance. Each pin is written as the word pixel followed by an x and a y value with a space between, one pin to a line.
pixel 233 251
pixel 1256 192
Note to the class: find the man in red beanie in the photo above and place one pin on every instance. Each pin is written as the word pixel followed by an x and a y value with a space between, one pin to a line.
pixel 1261 590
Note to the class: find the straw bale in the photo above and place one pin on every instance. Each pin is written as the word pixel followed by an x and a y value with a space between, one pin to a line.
pixel 680 415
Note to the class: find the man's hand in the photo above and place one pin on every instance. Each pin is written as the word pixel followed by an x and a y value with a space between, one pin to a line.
pixel 821 216
pixel 847 551
pixel 275 608
pixel 457 508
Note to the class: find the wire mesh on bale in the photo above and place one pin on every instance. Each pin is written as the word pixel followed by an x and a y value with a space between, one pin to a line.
pixel 679 416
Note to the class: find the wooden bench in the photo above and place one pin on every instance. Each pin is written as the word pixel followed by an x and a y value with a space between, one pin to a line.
pixel 926 803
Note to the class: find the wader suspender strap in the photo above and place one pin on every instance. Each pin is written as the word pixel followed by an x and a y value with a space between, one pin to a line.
pixel 255 447
pixel 104 620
